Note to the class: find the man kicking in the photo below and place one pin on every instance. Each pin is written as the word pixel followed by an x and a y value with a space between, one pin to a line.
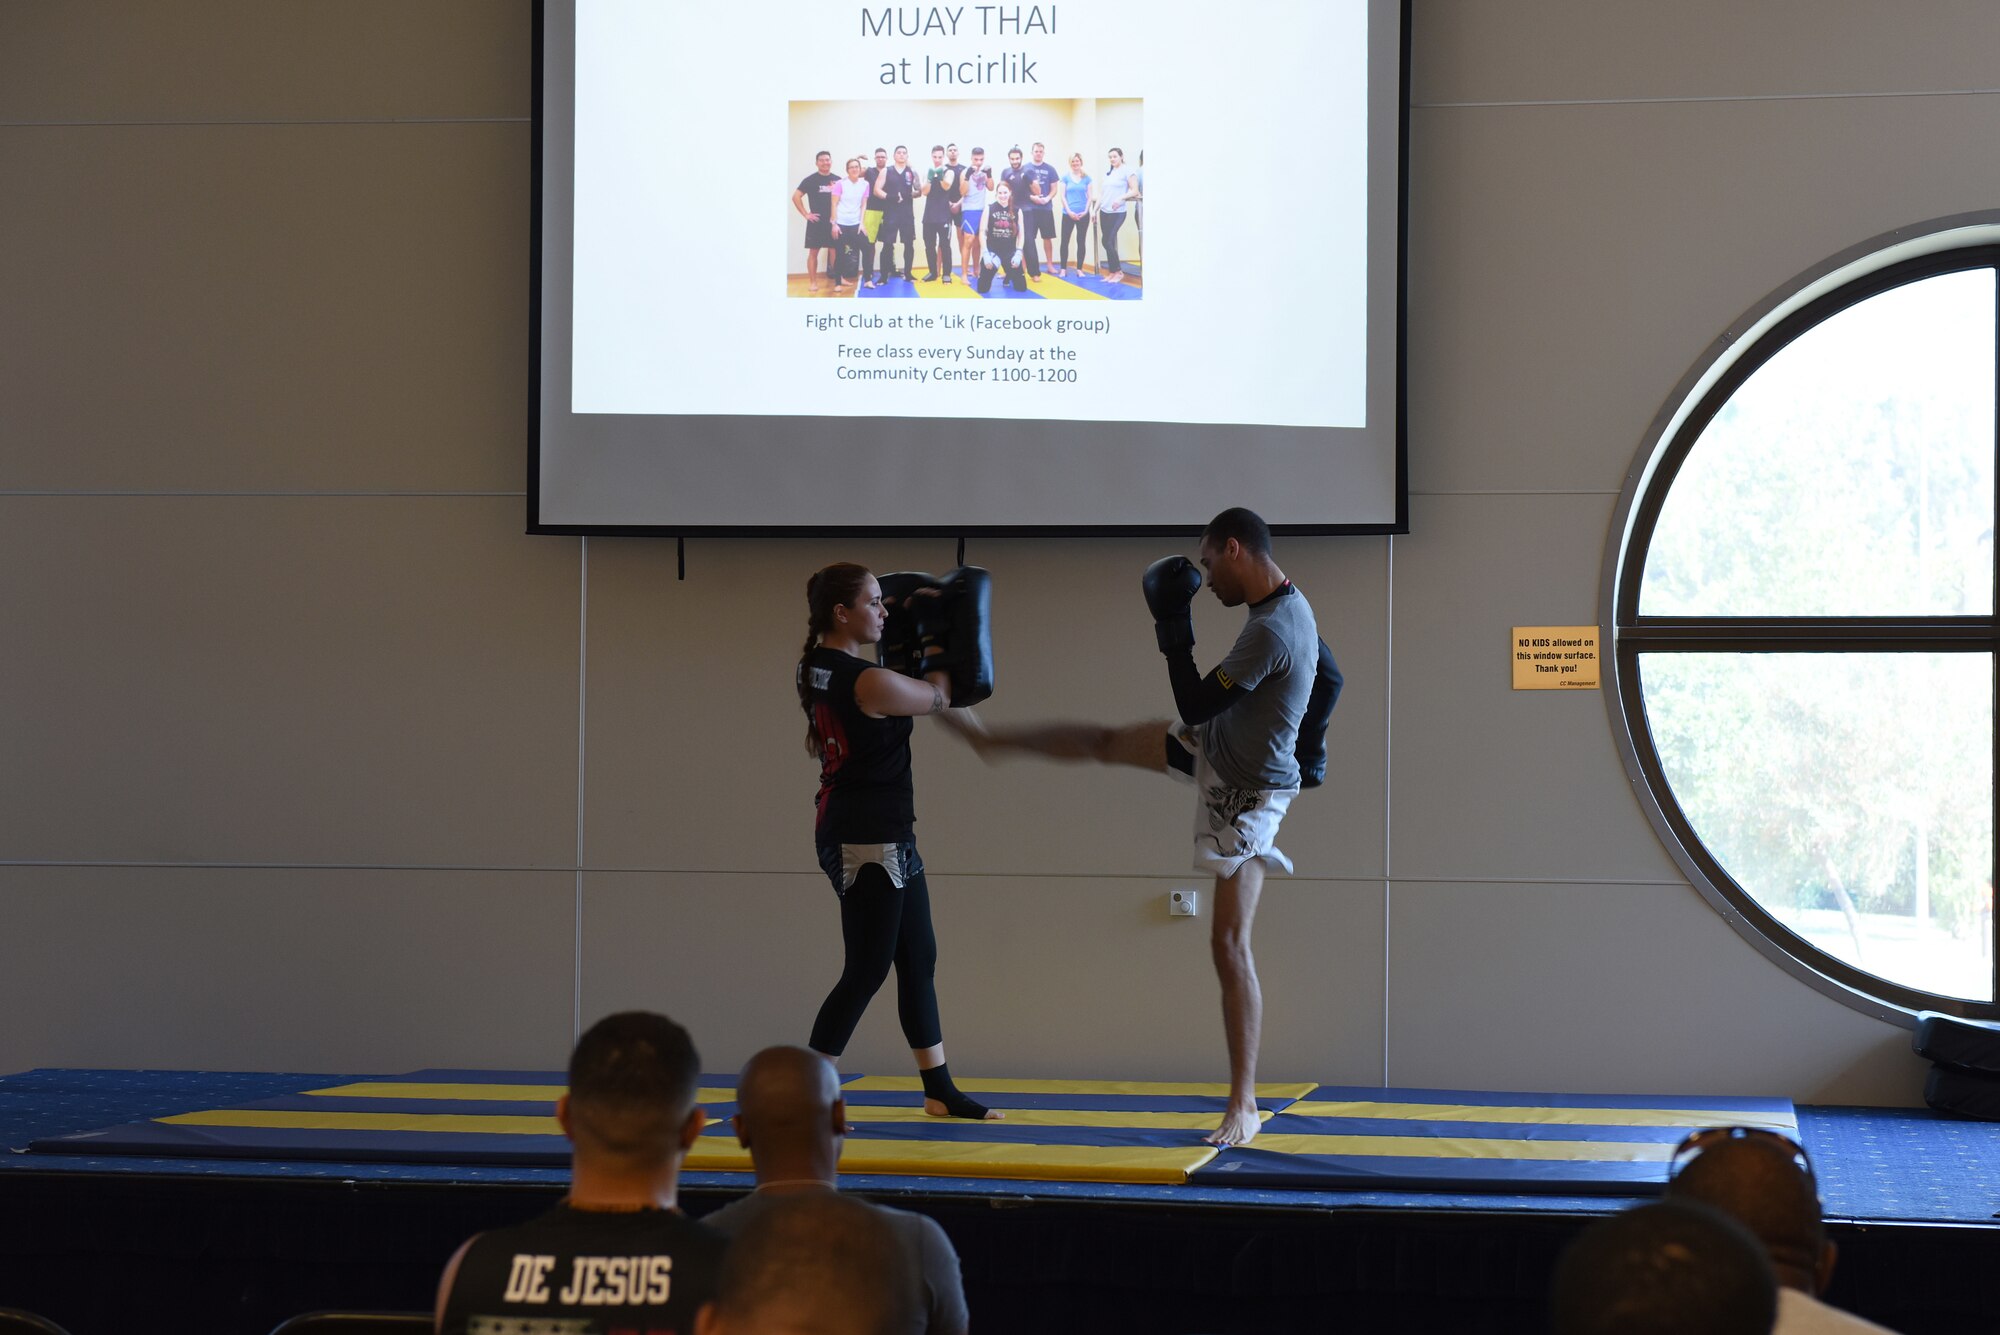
pixel 1242 731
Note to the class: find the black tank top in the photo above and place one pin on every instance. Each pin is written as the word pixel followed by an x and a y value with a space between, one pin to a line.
pixel 594 1271
pixel 864 770
pixel 1000 226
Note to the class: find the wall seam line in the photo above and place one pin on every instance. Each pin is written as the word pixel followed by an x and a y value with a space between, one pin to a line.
pixel 1705 99
pixel 222 124
pixel 582 705
pixel 1388 787
pixel 126 494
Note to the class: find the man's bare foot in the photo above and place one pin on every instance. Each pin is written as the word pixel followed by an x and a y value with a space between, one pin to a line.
pixel 935 1108
pixel 1239 1126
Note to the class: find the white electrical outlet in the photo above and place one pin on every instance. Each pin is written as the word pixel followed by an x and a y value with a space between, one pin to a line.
pixel 1183 903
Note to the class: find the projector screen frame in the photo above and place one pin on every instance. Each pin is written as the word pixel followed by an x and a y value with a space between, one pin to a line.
pixel 537 525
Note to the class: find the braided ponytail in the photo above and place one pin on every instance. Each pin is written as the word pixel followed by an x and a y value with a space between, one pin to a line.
pixel 805 695
pixel 838 585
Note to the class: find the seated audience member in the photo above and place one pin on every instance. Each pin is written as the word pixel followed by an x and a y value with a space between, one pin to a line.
pixel 790 1116
pixel 616 1254
pixel 1764 1182
pixel 1665 1269
pixel 813 1264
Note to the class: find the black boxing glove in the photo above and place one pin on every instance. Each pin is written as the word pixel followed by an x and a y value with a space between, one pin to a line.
pixel 899 650
pixel 1171 584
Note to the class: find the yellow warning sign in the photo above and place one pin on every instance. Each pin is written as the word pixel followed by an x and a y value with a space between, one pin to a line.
pixel 1555 658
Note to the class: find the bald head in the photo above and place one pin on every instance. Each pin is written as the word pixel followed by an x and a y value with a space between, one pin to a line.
pixel 1759 1185
pixel 1670 1268
pixel 785 1098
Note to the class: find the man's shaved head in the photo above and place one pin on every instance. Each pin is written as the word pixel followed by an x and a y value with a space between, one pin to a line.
pixel 1669 1268
pixel 1759 1185
pixel 786 1094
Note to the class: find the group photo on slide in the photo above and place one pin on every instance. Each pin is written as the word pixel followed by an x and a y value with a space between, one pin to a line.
pixel 968 199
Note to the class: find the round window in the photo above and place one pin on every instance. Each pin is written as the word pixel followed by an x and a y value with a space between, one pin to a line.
pixel 1799 590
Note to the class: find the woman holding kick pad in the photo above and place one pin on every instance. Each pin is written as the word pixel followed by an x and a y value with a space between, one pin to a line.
pixel 858 728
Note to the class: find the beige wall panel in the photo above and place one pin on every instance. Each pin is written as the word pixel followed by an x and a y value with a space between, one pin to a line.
pixel 1480 51
pixel 286 970
pixel 137 60
pixel 387 681
pixel 1622 989
pixel 1057 977
pixel 253 308
pixel 1569 264
pixel 1489 781
pixel 695 758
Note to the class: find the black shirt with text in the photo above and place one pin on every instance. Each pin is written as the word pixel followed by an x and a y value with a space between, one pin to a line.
pixel 586 1272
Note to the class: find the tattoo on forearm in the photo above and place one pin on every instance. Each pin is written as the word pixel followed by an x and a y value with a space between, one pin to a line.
pixel 937 699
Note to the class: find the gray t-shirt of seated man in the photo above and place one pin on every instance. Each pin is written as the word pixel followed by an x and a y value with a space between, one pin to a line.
pixel 924 1242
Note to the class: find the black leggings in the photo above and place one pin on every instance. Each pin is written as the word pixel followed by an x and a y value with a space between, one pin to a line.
pixel 1008 267
pixel 1075 240
pixel 1107 229
pixel 902 233
pixel 882 925
pixel 940 246
pixel 851 257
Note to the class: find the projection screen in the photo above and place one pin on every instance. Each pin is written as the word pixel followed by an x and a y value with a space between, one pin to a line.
pixel 1186 219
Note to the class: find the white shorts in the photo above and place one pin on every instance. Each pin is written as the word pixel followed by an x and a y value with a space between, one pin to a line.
pixel 1231 825
pixel 842 863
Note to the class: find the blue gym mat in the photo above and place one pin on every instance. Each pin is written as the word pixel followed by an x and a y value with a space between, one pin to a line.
pixel 1475 1140
pixel 1064 1130
pixel 1875 1165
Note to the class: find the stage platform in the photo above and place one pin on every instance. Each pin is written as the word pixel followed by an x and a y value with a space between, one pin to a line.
pixel 1912 1197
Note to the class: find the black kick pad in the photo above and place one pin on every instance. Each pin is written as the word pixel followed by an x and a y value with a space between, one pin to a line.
pixel 1963 1093
pixel 1964 1045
